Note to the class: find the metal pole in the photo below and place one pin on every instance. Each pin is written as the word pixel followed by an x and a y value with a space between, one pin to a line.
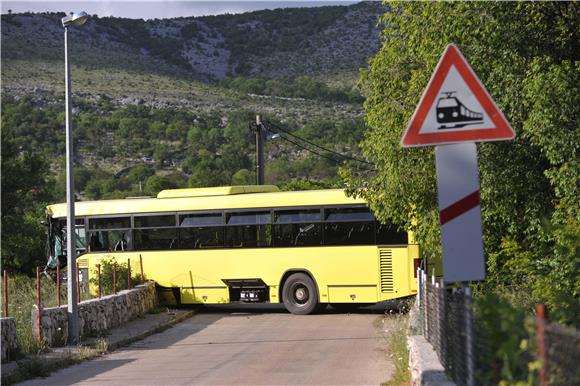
pixel 38 305
pixel 78 285
pixel 469 352
pixel 141 264
pixel 5 294
pixel 259 151
pixel 542 352
pixel 129 274
pixel 58 285
pixel 72 310
pixel 99 278
pixel 426 306
pixel 115 278
pixel 444 330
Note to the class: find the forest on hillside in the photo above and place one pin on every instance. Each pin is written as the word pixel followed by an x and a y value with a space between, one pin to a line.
pixel 138 150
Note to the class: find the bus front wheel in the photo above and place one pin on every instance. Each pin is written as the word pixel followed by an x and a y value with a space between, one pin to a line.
pixel 300 294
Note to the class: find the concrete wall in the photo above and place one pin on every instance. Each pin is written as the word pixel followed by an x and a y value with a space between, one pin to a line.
pixel 96 316
pixel 9 341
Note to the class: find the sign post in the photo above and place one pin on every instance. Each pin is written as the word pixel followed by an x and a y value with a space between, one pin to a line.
pixel 459 212
pixel 456 111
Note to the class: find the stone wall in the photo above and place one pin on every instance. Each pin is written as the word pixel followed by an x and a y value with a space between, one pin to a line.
pixel 9 340
pixel 96 316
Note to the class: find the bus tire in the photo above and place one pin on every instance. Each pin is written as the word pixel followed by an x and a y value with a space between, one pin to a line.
pixel 299 294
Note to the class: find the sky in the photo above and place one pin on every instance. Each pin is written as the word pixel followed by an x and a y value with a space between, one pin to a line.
pixel 160 9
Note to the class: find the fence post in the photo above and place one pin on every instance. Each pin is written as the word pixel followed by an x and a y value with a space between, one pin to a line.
pixel 38 304
pixel 141 265
pixel 426 302
pixel 78 284
pixel 541 333
pixel 443 326
pixel 419 300
pixel 129 283
pixel 115 277
pixel 437 320
pixel 58 285
pixel 469 342
pixel 5 294
pixel 99 279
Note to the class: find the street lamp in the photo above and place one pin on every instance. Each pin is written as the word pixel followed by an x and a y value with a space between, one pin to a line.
pixel 73 326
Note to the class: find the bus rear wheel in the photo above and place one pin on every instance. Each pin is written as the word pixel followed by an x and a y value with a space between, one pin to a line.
pixel 299 294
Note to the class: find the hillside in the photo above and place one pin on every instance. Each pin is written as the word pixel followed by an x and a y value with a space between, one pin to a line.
pixel 327 43
pixel 165 103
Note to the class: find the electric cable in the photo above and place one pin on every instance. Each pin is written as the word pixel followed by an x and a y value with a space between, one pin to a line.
pixel 315 145
pixel 337 161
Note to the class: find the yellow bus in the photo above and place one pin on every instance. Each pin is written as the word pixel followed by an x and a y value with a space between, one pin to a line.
pixel 246 244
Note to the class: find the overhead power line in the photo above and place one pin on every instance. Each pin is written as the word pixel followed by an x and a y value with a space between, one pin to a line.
pixel 312 151
pixel 318 146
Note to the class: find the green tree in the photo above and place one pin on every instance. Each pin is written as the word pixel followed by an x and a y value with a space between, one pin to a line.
pixel 527 56
pixel 24 196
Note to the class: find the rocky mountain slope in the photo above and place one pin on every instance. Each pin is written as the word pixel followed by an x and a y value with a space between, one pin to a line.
pixel 329 43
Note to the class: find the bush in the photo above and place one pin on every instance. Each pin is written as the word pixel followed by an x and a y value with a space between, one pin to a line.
pixel 111 268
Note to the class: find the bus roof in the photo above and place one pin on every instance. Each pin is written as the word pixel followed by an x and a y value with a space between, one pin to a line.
pixel 232 199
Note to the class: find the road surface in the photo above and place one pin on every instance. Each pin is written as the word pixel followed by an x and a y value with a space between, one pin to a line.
pixel 246 346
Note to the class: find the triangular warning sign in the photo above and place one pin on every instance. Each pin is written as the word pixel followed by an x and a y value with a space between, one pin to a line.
pixel 455 107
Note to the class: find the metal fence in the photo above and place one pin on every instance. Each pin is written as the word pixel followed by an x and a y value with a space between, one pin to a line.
pixel 480 350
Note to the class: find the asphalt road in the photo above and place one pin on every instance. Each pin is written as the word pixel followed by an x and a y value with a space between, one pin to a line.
pixel 259 345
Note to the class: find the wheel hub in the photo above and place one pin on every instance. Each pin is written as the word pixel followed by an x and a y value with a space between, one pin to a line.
pixel 301 294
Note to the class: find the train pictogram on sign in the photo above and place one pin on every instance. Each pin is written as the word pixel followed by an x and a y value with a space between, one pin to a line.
pixel 452 113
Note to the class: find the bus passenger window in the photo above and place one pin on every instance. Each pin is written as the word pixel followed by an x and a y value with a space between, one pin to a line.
pixel 348 226
pixel 201 231
pixel 297 228
pixel 155 239
pixel 248 230
pixel 155 232
pixel 389 234
pixel 114 240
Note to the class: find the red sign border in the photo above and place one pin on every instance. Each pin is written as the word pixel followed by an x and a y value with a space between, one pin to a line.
pixel 501 131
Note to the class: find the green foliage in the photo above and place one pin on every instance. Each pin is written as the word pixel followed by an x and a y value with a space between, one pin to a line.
pixel 111 269
pixel 526 54
pixel 300 87
pixel 25 178
pixel 298 184
pixel 505 349
pixel 276 30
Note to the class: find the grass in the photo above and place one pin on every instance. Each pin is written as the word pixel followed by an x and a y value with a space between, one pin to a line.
pixel 395 332
pixel 22 298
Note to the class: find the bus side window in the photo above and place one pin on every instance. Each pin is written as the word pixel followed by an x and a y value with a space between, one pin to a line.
pixel 349 226
pixel 248 229
pixel 110 234
pixel 155 232
pixel 205 230
pixel 389 234
pixel 300 227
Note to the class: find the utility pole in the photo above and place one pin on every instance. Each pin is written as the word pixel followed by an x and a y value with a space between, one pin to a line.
pixel 259 151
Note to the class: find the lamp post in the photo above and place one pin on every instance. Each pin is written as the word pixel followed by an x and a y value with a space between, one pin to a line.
pixel 73 327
